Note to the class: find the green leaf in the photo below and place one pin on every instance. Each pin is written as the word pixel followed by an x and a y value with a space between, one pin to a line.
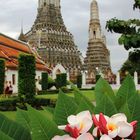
pixel 83 102
pixel 50 109
pixel 42 127
pixel 102 88
pixel 65 107
pixel 106 106
pixel 126 90
pixel 125 109
pixel 133 104
pixel 46 112
pixel 13 129
pixel 22 118
pixel 3 136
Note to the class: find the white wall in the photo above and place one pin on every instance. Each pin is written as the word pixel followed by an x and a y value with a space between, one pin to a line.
pixel 58 67
pixel 9 74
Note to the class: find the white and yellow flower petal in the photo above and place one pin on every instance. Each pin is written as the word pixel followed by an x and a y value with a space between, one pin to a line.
pixel 62 127
pixel 117 118
pixel 85 125
pixel 83 115
pixel 85 136
pixel 105 137
pixel 82 121
pixel 65 137
pixel 72 120
pixel 95 131
pixel 113 133
pixel 126 129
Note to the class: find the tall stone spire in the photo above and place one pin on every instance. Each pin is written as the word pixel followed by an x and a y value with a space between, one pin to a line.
pixel 94 13
pixel 22 36
pixel 43 3
pixel 97 54
pixel 52 40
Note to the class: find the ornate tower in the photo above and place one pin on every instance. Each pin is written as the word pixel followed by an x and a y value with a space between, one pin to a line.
pixel 97 55
pixel 22 36
pixel 51 38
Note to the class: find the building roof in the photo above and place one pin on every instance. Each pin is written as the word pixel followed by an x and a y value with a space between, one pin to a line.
pixel 10 49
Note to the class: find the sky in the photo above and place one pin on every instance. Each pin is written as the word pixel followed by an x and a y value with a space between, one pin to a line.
pixel 76 15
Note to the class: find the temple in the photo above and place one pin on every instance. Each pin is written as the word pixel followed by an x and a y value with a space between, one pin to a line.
pixel 51 39
pixel 10 49
pixel 97 56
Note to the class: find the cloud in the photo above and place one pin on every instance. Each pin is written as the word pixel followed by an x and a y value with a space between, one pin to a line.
pixel 76 14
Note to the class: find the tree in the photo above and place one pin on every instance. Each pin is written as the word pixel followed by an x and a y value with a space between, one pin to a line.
pixel 130 35
pixel 26 75
pixel 2 75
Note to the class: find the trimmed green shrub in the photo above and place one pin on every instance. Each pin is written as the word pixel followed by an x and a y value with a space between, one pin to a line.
pixel 65 89
pixel 39 102
pixel 44 82
pixel 13 104
pixel 26 75
pixel 98 77
pixel 45 92
pixel 79 81
pixel 61 80
pixel 53 103
pixel 51 83
pixel 93 88
pixel 2 75
pixel 8 105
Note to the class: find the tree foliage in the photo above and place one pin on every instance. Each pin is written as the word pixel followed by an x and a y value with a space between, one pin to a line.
pixel 2 75
pixel 130 35
pixel 26 75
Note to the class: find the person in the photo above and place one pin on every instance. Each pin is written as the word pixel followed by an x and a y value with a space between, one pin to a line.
pixel 6 89
pixel 10 88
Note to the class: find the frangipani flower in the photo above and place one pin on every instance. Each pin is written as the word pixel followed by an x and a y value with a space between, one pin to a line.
pixel 105 137
pixel 85 136
pixel 65 137
pixel 78 124
pixel 114 126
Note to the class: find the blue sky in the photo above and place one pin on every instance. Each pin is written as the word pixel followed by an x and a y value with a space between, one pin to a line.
pixel 76 17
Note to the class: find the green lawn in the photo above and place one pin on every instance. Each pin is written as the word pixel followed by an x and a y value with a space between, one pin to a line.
pixel 88 93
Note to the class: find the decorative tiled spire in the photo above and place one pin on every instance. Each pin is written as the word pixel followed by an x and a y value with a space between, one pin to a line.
pixel 52 40
pixel 94 10
pixel 97 53
pixel 44 3
pixel 22 36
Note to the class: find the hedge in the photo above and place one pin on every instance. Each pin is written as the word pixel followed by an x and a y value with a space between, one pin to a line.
pixel 2 75
pixel 79 81
pixel 44 82
pixel 26 75
pixel 61 80
pixel 98 77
